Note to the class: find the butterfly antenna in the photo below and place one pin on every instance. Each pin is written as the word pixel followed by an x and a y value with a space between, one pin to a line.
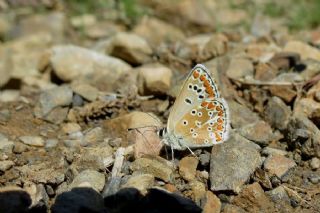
pixel 191 152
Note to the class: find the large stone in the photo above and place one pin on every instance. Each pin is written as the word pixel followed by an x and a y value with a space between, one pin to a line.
pixel 158 167
pixel 32 140
pixel 306 51
pixel 49 99
pixel 154 79
pixel 88 63
pixel 278 165
pixel 243 158
pixel 253 199
pixel 89 178
pixel 130 48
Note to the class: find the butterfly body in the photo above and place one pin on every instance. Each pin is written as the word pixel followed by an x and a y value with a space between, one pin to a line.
pixel 199 116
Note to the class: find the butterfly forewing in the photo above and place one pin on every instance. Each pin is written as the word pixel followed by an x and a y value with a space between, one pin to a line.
pixel 198 87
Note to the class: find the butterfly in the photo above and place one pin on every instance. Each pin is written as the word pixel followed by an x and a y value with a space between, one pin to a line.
pixel 199 116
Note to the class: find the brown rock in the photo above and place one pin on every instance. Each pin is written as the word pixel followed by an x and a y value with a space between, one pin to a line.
pixel 265 72
pixel 154 79
pixel 285 60
pixel 211 204
pixel 240 68
pixel 229 208
pixel 198 190
pixel 278 165
pixel 287 93
pixel 306 51
pixel 187 168
pixel 253 199
pixel 142 182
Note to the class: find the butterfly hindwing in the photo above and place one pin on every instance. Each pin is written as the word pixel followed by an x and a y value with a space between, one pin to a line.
pixel 205 124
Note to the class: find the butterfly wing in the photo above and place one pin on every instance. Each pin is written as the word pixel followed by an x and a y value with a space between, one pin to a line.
pixel 205 124
pixel 199 86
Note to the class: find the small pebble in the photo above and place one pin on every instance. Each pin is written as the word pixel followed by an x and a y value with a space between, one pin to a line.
pixel 315 163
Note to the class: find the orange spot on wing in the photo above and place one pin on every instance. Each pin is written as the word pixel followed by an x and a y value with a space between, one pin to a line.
pixel 206 83
pixel 196 74
pixel 211 105
pixel 218 137
pixel 220 113
pixel 202 77
pixel 204 104
pixel 220 120
pixel 219 127
pixel 218 108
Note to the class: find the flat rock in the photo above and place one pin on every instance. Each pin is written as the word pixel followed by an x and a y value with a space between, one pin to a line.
pixel 188 168
pixel 240 68
pixel 9 95
pixel 49 99
pixel 158 167
pixel 86 91
pixel 243 158
pixel 259 132
pixel 142 182
pixel 6 146
pixel 272 151
pixel 89 178
pixel 253 199
pixel 241 115
pixel 278 165
pixel 286 93
pixel 154 79
pixel 130 48
pixel 32 140
pixel 211 204
pixel 88 63
pixel 305 50
pixel 5 165
pixel 277 113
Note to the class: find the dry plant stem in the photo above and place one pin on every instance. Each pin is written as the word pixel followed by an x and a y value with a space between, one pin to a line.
pixel 265 83
pixel 113 183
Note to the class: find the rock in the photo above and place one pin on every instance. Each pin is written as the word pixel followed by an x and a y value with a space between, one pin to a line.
pixel 95 158
pixel 315 163
pixel 158 167
pixel 278 165
pixel 142 182
pixel 32 140
pixel 89 178
pixel 14 199
pixel 198 191
pixel 93 136
pixel 156 31
pixel 306 51
pixel 262 178
pixel 154 79
pixel 310 108
pixel 146 141
pixel 303 134
pixel 49 99
pixel 239 68
pixel 56 115
pixel 285 60
pixel 19 148
pixel 265 72
pixel 229 208
pixel 5 67
pixel 70 128
pixel 279 195
pixel 38 195
pixel 241 115
pixel 243 158
pixel 204 158
pixel 188 168
pixel 5 165
pixel 277 113
pixel 6 146
pixel 88 63
pixel 86 91
pixel 51 143
pixel 5 115
pixel 53 23
pixel 9 95
pixel 211 204
pixel 259 132
pixel 118 127
pixel 287 93
pixel 253 199
pixel 314 178
pixel 130 48
pixel 272 151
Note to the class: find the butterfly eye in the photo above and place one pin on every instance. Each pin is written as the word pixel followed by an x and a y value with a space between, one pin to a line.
pixel 185 122
pixel 199 114
pixel 193 112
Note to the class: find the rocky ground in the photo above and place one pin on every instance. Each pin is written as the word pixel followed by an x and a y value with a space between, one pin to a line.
pixel 73 83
